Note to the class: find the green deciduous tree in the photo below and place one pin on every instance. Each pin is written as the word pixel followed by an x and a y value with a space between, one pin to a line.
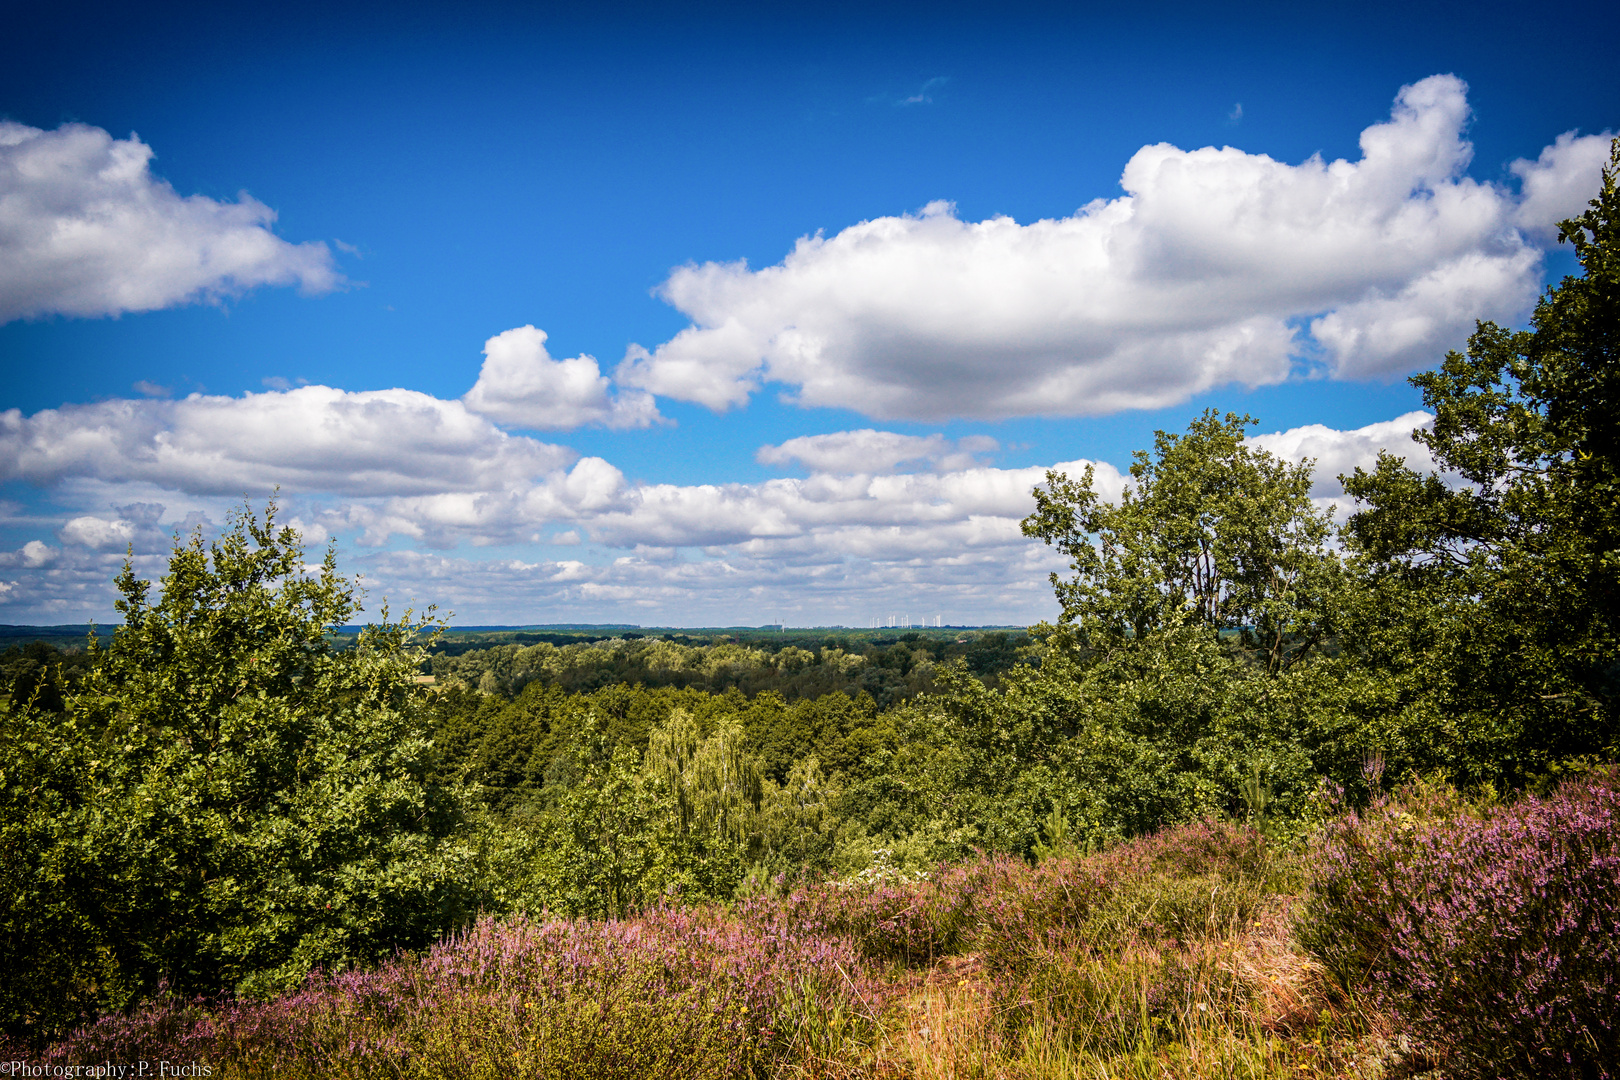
pixel 632 830
pixel 714 783
pixel 1186 667
pixel 609 845
pixel 1495 585
pixel 799 820
pixel 229 800
pixel 1210 533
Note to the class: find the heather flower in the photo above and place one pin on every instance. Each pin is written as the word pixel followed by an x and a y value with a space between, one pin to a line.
pixel 1495 933
pixel 691 992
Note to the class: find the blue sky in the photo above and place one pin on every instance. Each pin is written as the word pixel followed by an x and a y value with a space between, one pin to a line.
pixel 1027 257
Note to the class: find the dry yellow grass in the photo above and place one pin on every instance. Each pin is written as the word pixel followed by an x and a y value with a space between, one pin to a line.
pixel 1258 1008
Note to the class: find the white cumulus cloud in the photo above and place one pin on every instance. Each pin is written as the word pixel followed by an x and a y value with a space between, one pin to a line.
pixel 100 534
pixel 869 451
pixel 1412 327
pixel 37 553
pixel 1560 182
pixel 520 385
pixel 1339 453
pixel 312 439
pixel 1217 266
pixel 594 501
pixel 31 556
pixel 914 512
pixel 86 229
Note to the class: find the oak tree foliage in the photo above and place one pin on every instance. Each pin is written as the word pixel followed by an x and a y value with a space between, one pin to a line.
pixel 1211 532
pixel 228 800
pixel 1495 584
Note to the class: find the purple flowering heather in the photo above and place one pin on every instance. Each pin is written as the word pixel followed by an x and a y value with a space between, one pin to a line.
pixel 671 992
pixel 1494 933
pixel 786 986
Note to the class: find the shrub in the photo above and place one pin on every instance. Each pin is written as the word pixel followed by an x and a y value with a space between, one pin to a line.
pixel 1175 909
pixel 1113 952
pixel 1111 1003
pixel 1180 883
pixel 1494 932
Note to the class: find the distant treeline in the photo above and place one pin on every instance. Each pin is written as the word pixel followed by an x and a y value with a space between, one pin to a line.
pixel 888 669
pixel 40 672
pixel 68 637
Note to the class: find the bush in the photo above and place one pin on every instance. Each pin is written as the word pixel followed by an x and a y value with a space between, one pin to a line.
pixel 908 919
pixel 1189 881
pixel 1113 1003
pixel 229 800
pixel 1494 932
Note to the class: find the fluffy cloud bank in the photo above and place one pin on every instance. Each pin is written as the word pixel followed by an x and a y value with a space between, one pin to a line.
pixel 398 462
pixel 1340 453
pixel 521 386
pixel 86 229
pixel 841 545
pixel 883 522
pixel 315 439
pixel 868 451
pixel 1217 266
pixel 977 585
pixel 921 514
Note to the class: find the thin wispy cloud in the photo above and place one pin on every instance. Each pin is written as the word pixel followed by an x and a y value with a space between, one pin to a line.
pixel 924 95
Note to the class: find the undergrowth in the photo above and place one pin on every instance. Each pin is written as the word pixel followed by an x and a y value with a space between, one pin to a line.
pixel 1422 935
pixel 1493 930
